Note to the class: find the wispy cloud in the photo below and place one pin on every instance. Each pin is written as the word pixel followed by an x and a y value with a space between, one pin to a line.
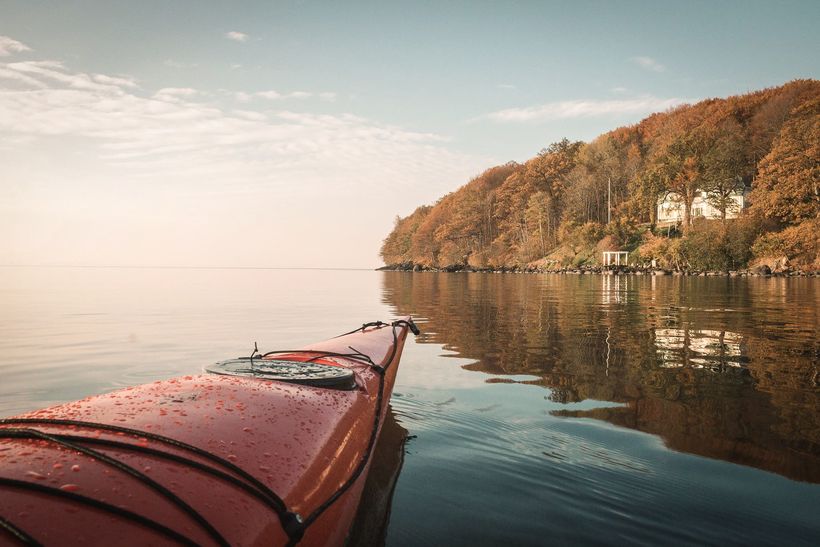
pixel 250 115
pixel 648 63
pixel 17 76
pixel 505 86
pixel 172 94
pixel 8 46
pixel 236 36
pixel 183 135
pixel 114 80
pixel 44 74
pixel 273 95
pixel 583 109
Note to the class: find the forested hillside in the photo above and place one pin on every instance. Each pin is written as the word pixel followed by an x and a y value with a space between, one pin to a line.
pixel 552 209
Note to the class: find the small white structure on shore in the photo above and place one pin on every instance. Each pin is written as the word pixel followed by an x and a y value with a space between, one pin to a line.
pixel 616 258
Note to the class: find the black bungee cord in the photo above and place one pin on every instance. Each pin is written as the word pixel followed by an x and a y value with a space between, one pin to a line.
pixel 125 468
pixel 26 539
pixel 292 523
pixel 18 534
pixel 263 496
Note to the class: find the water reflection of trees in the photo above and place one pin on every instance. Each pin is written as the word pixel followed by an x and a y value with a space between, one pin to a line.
pixel 725 368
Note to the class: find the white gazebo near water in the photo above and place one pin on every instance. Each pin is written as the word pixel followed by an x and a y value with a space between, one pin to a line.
pixel 616 258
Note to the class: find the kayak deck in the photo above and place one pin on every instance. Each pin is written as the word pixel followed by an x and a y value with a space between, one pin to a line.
pixel 214 459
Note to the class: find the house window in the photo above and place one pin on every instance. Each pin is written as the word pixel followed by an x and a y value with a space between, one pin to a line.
pixel 697 212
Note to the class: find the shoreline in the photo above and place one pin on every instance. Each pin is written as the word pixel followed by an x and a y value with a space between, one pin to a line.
pixel 760 271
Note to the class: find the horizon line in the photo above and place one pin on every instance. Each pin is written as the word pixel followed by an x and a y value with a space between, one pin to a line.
pixel 135 267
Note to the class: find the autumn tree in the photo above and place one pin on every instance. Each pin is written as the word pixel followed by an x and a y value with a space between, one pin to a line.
pixel 425 246
pixel 724 165
pixel 548 175
pixel 788 186
pixel 602 177
pixel 679 159
pixel 396 247
pixel 539 218
pixel 678 169
pixel 510 215
pixel 767 121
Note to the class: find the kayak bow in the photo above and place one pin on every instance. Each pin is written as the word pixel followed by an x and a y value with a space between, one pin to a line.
pixel 270 449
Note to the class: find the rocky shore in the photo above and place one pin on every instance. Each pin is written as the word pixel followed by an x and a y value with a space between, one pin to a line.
pixel 759 271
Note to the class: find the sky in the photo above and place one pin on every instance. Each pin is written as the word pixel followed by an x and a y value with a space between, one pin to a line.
pixel 291 133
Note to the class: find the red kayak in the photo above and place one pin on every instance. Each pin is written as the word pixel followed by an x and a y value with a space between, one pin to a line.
pixel 270 449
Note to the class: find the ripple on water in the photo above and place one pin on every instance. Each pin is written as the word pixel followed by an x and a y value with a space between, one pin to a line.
pixel 569 480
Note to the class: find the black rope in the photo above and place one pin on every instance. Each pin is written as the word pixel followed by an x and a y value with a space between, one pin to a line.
pixel 97 504
pixel 409 324
pixel 278 503
pixel 356 356
pixel 262 496
pixel 290 521
pixel 19 534
pixel 364 326
pixel 253 354
pixel 125 468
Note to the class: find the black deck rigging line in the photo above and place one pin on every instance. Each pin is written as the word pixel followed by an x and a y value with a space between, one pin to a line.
pixel 409 324
pixel 125 468
pixel 19 535
pixel 262 496
pixel 253 354
pixel 291 522
pixel 97 504
pixel 356 356
pixel 277 501
pixel 364 326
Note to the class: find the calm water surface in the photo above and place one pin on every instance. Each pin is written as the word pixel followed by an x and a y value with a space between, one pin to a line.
pixel 541 410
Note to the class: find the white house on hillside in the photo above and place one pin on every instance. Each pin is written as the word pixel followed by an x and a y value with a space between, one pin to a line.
pixel 670 207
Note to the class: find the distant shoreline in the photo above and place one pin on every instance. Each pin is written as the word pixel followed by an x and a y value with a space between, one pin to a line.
pixel 110 267
pixel 762 271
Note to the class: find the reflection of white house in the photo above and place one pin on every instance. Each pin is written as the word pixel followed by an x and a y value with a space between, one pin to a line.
pixel 698 348
pixel 670 207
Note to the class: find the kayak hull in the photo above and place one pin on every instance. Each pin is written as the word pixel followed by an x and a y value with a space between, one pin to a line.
pixel 302 443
